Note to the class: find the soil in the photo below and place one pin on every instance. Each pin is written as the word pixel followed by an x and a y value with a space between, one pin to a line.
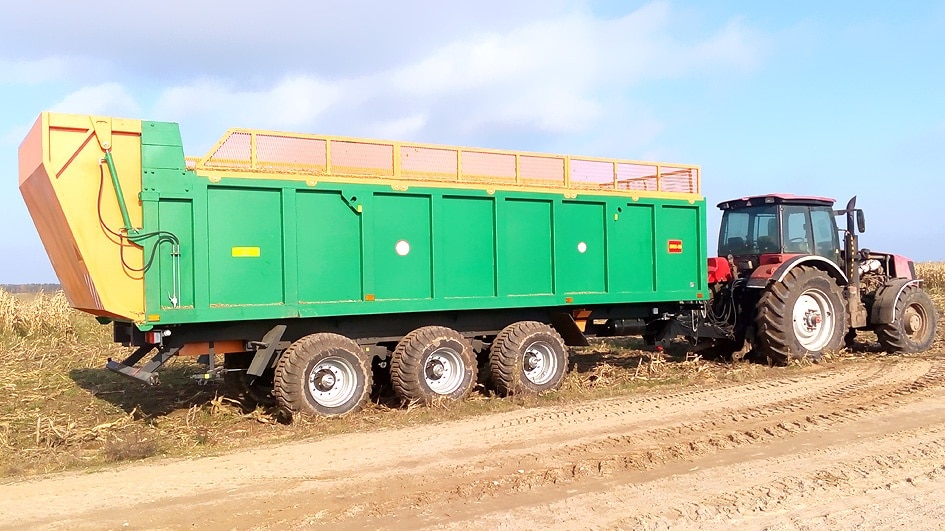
pixel 856 444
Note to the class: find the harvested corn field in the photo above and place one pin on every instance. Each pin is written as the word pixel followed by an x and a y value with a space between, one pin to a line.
pixel 634 438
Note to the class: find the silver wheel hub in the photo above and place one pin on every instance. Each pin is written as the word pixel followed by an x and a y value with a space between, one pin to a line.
pixel 435 370
pixel 532 361
pixel 813 320
pixel 332 382
pixel 444 371
pixel 540 364
pixel 324 380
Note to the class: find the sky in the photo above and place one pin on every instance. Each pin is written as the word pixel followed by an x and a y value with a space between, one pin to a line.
pixel 832 99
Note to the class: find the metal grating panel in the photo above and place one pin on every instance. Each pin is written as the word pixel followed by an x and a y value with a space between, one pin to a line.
pixel 636 177
pixel 425 163
pixel 678 180
pixel 482 166
pixel 291 154
pixel 592 174
pixel 260 151
pixel 233 152
pixel 361 158
pixel 541 171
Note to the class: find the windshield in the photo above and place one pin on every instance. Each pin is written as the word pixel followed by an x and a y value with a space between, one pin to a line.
pixel 750 230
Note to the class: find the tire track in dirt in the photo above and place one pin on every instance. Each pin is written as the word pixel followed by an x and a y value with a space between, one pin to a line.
pixel 474 469
pixel 747 494
pixel 724 488
pixel 649 449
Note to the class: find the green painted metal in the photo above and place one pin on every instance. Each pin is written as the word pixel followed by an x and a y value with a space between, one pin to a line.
pixel 466 265
pixel 276 249
pixel 329 245
pixel 119 195
pixel 525 236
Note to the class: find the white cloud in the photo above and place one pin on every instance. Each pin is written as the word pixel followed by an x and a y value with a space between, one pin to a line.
pixel 110 99
pixel 292 102
pixel 569 74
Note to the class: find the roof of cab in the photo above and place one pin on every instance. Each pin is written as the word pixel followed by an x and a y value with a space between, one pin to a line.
pixel 775 199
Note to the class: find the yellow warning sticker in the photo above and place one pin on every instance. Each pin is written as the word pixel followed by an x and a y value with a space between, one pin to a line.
pixel 246 252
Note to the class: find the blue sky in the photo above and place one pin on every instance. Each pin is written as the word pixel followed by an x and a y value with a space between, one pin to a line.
pixel 820 98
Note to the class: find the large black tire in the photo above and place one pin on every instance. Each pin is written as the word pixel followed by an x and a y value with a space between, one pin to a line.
pixel 323 375
pixel 913 326
pixel 801 316
pixel 433 362
pixel 528 358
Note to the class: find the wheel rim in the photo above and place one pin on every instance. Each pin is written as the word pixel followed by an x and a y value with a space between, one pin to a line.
pixel 814 320
pixel 332 382
pixel 540 363
pixel 443 371
pixel 915 322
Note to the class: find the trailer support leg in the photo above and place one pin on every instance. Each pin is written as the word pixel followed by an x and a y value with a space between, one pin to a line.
pixel 265 350
pixel 146 373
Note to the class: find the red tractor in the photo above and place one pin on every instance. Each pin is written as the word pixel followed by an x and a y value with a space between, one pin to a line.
pixel 784 287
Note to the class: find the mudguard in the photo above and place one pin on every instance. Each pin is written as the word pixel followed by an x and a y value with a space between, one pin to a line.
pixel 884 305
pixel 775 270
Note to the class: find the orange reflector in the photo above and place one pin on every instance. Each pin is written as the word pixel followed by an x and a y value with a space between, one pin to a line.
pixel 154 317
pixel 568 300
pixel 369 297
pixel 699 295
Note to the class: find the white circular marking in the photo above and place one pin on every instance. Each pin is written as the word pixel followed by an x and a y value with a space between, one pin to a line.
pixel 582 247
pixel 402 247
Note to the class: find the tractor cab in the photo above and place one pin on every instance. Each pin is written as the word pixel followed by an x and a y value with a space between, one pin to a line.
pixel 782 224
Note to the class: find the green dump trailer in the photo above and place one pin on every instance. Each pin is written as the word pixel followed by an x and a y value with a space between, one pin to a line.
pixel 307 261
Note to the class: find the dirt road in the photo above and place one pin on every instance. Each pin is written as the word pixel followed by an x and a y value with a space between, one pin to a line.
pixel 852 444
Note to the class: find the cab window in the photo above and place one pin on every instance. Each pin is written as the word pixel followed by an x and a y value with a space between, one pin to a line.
pixel 751 230
pixel 826 239
pixel 796 230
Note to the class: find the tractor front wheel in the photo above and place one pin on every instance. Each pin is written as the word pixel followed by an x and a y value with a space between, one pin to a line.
pixel 913 328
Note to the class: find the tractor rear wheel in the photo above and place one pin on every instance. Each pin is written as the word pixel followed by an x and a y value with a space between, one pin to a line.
pixel 433 362
pixel 801 316
pixel 323 375
pixel 528 357
pixel 913 326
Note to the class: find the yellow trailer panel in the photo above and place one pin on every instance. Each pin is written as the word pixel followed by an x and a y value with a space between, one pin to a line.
pixel 70 196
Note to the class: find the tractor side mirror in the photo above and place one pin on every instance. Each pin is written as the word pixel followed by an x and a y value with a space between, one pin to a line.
pixel 860 221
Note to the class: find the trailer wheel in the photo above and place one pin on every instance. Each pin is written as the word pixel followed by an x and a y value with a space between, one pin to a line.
pixel 913 328
pixel 528 357
pixel 323 375
pixel 433 362
pixel 803 315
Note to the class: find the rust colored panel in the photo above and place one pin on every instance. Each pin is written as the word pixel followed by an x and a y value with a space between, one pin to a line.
pixel 219 347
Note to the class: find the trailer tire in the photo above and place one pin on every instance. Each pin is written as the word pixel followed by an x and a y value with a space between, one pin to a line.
pixel 528 358
pixel 433 362
pixel 913 326
pixel 801 316
pixel 325 375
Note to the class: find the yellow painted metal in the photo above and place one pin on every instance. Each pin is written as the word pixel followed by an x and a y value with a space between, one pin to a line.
pixel 245 153
pixel 60 174
pixel 245 252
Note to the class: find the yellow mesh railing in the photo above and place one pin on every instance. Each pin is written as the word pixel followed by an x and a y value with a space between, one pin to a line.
pixel 322 156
